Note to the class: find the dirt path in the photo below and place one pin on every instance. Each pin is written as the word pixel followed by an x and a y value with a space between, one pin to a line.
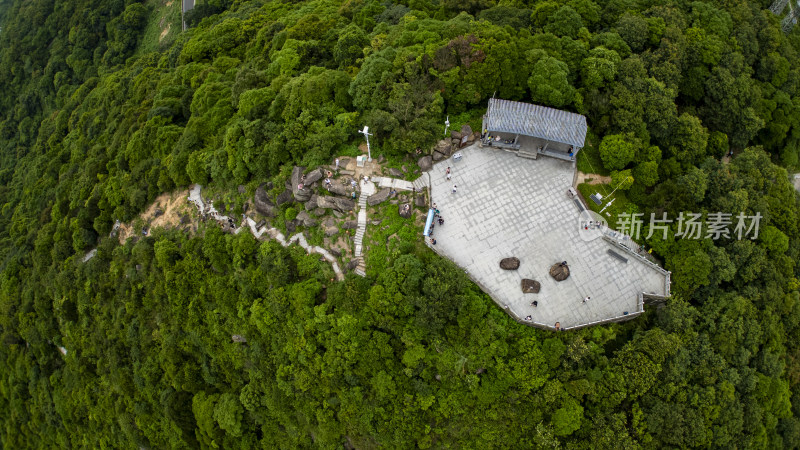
pixel 165 212
pixel 592 178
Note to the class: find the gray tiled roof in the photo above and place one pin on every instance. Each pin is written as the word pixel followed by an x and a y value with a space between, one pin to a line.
pixel 526 119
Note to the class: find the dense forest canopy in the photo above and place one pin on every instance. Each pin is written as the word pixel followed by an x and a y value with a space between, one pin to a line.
pixel 96 121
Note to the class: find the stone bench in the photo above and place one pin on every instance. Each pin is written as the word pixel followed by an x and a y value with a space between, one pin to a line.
pixel 618 256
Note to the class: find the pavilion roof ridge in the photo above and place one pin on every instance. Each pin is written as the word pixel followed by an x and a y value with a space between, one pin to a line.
pixel 535 120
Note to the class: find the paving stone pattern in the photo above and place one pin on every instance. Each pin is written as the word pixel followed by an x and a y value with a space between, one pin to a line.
pixel 508 206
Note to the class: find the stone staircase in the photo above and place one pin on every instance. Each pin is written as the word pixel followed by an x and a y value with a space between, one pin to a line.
pixel 421 182
pixel 527 153
pixel 367 189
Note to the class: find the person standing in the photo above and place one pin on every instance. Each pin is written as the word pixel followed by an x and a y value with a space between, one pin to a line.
pixel 454 189
pixel 448 174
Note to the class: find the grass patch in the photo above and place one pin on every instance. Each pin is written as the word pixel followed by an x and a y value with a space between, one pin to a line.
pixel 589 157
pixel 620 205
pixel 473 118
pixel 163 25
pixel 405 237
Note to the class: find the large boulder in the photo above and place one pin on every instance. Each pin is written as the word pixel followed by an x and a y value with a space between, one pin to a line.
pixel 306 219
pixel 405 210
pixel 396 172
pixel 420 201
pixel 344 204
pixel 350 225
pixel 313 176
pixel 379 197
pixel 326 201
pixel 559 271
pixel 336 203
pixel 264 205
pixel 284 197
pixel 530 286
pixel 329 227
pixel 352 264
pixel 425 163
pixel 301 195
pixel 311 204
pixel 297 174
pixel 455 135
pixel 340 189
pixel 509 263
pixel 443 146
pixel 442 150
pixel 466 130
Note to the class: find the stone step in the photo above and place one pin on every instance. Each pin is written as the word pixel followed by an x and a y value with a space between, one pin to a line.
pixel 529 154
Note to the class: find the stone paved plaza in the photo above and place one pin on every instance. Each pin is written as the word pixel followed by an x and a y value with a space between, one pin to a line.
pixel 509 206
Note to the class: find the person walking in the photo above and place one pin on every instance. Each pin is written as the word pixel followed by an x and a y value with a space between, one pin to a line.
pixel 454 189
pixel 586 299
pixel 448 174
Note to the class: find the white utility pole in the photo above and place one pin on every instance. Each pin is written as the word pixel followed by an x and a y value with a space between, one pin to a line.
pixel 367 134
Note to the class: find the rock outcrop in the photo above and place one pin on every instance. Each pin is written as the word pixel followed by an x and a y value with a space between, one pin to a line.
pixel 425 163
pixel 379 197
pixel 313 176
pixel 405 210
pixel 306 219
pixel 336 203
pixel 442 150
pixel 339 189
pixel 304 194
pixel 263 204
pixel 284 197
pixel 397 173
pixel 466 130
pixel 329 227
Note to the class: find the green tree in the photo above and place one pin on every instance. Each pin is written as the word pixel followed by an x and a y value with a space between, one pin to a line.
pixel 567 419
pixel 548 83
pixel 617 151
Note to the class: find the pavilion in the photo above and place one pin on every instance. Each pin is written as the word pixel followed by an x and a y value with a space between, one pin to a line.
pixel 531 130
